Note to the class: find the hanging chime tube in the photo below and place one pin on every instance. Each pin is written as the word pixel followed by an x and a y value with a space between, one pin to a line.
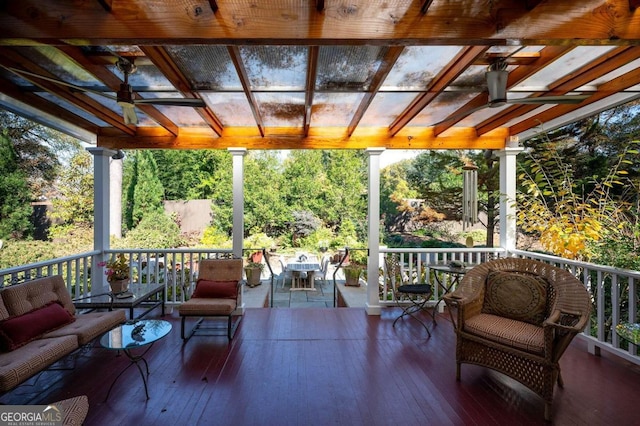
pixel 469 195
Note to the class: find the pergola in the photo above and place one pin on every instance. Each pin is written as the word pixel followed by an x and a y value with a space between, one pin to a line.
pixel 395 74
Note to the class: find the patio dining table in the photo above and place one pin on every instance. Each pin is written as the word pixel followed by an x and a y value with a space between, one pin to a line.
pixel 299 267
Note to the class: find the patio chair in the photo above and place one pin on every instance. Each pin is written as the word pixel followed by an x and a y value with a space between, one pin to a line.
pixel 416 294
pixel 217 294
pixel 284 274
pixel 517 316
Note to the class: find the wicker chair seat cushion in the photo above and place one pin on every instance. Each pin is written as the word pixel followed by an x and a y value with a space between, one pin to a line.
pixel 207 307
pixel 519 334
pixel 517 296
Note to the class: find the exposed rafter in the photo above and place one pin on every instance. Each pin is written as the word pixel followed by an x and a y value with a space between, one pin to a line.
pixel 310 86
pixel 424 6
pixel 449 73
pixel 234 52
pixel 214 5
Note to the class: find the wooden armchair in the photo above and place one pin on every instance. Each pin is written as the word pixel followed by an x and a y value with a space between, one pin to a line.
pixel 217 294
pixel 518 316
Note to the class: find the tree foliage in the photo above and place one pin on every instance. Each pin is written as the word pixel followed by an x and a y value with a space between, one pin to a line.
pixel 15 197
pixel 73 202
pixel 145 193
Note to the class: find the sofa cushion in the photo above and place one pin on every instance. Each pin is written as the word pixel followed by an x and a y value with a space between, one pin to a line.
pixel 20 330
pixel 518 334
pixel 22 298
pixel 17 366
pixel 517 296
pixel 216 289
pixel 90 325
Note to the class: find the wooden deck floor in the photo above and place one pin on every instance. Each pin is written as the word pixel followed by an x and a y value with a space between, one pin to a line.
pixel 330 367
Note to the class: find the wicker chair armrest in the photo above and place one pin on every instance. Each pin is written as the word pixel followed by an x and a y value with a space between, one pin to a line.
pixel 572 322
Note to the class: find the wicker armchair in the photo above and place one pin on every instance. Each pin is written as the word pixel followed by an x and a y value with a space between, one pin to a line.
pixel 518 316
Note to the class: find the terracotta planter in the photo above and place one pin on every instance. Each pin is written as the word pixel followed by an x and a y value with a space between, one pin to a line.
pixel 119 286
pixel 352 276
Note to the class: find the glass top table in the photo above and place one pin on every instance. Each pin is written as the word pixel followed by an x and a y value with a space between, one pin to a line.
pixel 629 331
pixel 132 335
pixel 137 295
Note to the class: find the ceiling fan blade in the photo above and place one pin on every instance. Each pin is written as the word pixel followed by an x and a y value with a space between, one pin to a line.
pixel 23 73
pixel 461 115
pixel 129 114
pixel 567 99
pixel 188 102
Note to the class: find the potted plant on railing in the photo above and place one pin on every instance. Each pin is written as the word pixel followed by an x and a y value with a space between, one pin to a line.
pixel 357 264
pixel 117 272
pixel 253 271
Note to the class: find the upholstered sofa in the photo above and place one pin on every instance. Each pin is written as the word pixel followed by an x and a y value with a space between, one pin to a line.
pixel 517 316
pixel 39 326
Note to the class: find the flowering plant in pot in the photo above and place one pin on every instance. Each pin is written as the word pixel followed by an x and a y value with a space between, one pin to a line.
pixel 117 272
pixel 357 264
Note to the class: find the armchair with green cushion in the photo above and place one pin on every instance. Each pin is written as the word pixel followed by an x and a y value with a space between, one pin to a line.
pixel 518 316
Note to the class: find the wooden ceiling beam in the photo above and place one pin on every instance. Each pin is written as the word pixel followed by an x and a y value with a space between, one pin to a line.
pixel 214 5
pixel 585 74
pixel 390 58
pixel 634 4
pixel 325 138
pixel 440 82
pixel 11 59
pixel 424 6
pixel 113 82
pixel 589 22
pixel 609 88
pixel 312 72
pixel 545 57
pixel 161 58
pixel 41 104
pixel 234 53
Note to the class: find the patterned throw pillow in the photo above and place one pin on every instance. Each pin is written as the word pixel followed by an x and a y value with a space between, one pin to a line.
pixel 518 296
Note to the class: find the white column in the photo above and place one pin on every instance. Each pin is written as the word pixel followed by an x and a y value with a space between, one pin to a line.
pixel 115 197
pixel 101 157
pixel 238 199
pixel 507 197
pixel 373 210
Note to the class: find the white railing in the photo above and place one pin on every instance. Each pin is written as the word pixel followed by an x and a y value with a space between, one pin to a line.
pixel 415 266
pixel 614 295
pixel 176 268
pixel 614 291
pixel 76 271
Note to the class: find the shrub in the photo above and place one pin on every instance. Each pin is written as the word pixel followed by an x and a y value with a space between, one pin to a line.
pixel 214 237
pixel 155 230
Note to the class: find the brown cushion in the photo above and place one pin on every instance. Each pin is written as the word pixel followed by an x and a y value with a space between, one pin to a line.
pixel 20 330
pixel 518 296
pixel 216 289
pixel 509 332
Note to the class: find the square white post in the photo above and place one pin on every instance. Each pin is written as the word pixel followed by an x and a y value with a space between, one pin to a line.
pixel 238 199
pixel 508 187
pixel 101 158
pixel 373 299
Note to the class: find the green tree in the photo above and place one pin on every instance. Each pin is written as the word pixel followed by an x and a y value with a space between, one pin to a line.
pixel 73 204
pixel 144 194
pixel 265 210
pixel 15 197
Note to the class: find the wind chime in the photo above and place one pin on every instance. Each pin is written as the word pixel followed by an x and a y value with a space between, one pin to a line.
pixel 469 194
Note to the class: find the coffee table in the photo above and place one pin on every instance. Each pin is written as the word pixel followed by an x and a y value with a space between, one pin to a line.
pixel 138 295
pixel 455 273
pixel 135 338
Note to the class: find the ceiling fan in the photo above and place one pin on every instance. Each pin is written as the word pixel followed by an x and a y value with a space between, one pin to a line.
pixel 496 77
pixel 124 96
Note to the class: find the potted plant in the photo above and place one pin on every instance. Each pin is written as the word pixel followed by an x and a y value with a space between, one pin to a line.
pixel 117 272
pixel 253 271
pixel 353 270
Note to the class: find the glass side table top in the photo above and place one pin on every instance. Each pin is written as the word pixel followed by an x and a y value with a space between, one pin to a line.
pixel 135 334
pixel 629 331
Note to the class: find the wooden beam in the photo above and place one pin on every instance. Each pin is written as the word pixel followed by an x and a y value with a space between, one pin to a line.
pixel 106 4
pixel 234 53
pixel 545 57
pixel 312 71
pixel 11 59
pixel 634 4
pixel 8 88
pixel 390 58
pixel 161 58
pixel 325 138
pixel 449 73
pixel 214 5
pixel 319 5
pixel 113 82
pixel 609 88
pixel 585 74
pixel 588 22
